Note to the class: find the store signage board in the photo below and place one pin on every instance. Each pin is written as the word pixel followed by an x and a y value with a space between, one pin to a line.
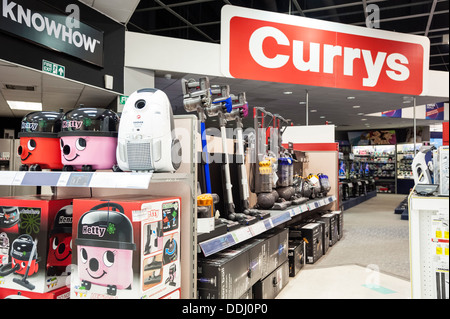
pixel 53 68
pixel 42 24
pixel 275 47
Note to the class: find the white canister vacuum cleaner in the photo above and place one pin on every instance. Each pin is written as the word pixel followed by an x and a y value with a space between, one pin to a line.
pixel 146 137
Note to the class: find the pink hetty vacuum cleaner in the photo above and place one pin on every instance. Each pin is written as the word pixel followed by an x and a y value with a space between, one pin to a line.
pixel 105 248
pixel 89 139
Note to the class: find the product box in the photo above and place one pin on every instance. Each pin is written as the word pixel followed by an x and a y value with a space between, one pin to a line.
pixel 334 230
pixel 340 223
pixel 311 233
pixel 60 293
pixel 228 274
pixel 125 247
pixel 274 250
pixel 270 286
pixel 247 295
pixel 35 242
pixel 296 256
pixel 325 222
pixel 176 294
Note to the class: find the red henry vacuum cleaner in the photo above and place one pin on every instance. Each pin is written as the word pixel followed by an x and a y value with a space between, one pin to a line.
pixel 39 142
pixel 9 218
pixel 24 260
pixel 105 248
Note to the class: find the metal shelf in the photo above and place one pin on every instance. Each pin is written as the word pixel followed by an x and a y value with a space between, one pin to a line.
pixel 214 245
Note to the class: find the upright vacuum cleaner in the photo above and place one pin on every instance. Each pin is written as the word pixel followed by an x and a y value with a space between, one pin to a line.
pixel 261 169
pixel 196 98
pixel 239 111
pixel 285 171
pixel 222 107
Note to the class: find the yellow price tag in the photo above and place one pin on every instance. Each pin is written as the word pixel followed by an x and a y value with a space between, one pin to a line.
pixel 446 234
pixel 439 233
pixel 446 251
pixel 438 250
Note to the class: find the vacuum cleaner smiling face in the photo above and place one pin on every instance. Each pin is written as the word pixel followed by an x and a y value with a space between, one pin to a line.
pixel 104 266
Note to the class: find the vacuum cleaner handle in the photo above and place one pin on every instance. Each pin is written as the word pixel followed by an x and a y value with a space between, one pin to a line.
pixel 109 204
pixel 7 269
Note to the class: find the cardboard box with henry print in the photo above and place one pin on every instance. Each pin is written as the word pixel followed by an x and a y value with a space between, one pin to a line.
pixel 35 242
pixel 126 247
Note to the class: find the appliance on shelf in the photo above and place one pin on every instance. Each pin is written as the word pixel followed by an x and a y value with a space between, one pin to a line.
pixel 146 138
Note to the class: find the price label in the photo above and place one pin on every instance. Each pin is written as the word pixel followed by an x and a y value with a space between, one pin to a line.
pixel 258 228
pixel 63 179
pixel 242 234
pixel 7 177
pixel 18 178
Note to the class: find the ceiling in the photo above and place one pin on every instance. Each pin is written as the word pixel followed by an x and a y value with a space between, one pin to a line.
pixel 53 92
pixel 199 20
pixel 330 104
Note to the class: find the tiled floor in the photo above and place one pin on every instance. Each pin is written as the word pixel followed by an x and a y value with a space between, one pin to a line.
pixel 371 261
pixel 345 282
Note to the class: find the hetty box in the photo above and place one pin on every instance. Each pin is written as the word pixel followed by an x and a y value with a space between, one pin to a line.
pixel 126 247
pixel 36 251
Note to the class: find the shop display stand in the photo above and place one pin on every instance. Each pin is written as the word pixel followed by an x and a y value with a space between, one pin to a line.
pixel 405 156
pixel 429 246
pixel 182 183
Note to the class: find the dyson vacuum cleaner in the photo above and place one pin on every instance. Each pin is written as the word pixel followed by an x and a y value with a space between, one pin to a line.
pixel 261 169
pixel 239 111
pixel 196 98
pixel 285 183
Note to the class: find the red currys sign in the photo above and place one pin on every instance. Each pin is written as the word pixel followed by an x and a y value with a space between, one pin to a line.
pixel 275 47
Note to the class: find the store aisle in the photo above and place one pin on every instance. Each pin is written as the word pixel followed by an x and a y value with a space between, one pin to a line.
pixel 370 261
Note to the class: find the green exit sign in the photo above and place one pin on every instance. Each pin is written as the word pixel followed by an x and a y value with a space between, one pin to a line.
pixel 53 68
pixel 123 99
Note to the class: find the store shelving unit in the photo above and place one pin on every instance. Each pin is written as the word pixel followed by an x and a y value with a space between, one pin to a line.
pixel 380 160
pixel 405 156
pixel 182 183
pixel 214 245
pixel 429 250
pixel 108 184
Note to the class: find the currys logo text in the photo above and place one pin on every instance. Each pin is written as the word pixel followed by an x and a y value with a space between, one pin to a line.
pixel 299 50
